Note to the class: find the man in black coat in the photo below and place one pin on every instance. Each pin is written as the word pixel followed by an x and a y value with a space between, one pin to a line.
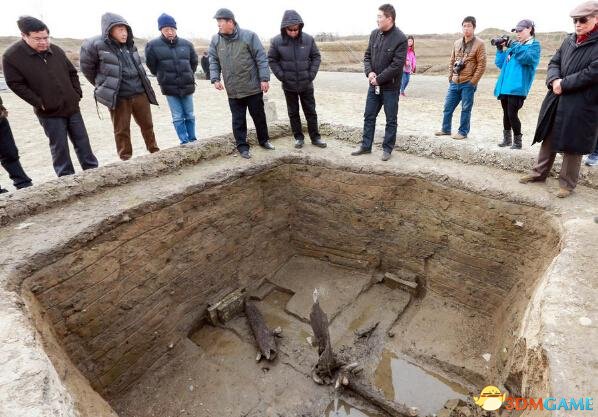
pixel 42 75
pixel 568 120
pixel 205 65
pixel 383 64
pixel 295 59
pixel 9 154
pixel 112 64
pixel 174 61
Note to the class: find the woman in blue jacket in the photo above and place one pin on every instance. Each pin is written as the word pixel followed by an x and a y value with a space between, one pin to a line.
pixel 517 63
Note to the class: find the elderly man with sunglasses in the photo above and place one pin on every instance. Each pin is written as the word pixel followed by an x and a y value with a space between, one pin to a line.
pixel 568 120
pixel 295 59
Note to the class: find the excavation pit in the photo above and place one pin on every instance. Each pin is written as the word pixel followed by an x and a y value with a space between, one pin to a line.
pixel 122 304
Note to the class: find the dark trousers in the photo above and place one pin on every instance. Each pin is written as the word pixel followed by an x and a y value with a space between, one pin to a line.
pixel 9 156
pixel 308 103
pixel 374 102
pixel 137 106
pixel 569 174
pixel 238 108
pixel 510 109
pixel 57 130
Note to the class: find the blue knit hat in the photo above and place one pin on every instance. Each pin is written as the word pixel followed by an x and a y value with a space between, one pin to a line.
pixel 166 21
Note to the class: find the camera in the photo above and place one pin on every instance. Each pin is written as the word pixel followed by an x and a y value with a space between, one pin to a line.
pixel 458 66
pixel 503 41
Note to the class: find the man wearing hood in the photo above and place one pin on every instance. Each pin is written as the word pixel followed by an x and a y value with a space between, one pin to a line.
pixel 239 56
pixel 41 74
pixel 174 61
pixel 112 64
pixel 295 59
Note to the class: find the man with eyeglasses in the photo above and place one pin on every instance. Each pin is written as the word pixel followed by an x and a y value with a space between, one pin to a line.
pixel 568 119
pixel 295 59
pixel 42 75
pixel 383 61
pixel 239 56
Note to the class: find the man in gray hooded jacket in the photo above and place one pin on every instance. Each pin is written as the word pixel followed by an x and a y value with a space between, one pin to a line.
pixel 295 60
pixel 112 64
pixel 239 55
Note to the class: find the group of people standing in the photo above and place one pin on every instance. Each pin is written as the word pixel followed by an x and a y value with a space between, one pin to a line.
pixel 236 62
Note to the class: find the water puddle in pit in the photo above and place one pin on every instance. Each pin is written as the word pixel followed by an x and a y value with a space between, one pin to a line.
pixel 404 382
pixel 340 408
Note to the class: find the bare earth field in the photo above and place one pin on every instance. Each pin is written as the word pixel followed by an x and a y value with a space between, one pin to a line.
pixel 340 99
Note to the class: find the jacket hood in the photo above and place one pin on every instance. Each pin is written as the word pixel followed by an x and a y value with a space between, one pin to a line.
pixel 109 20
pixel 290 17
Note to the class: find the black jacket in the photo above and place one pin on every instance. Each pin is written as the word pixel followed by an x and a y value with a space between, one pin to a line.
pixel 385 56
pixel 294 61
pixel 570 120
pixel 174 63
pixel 101 66
pixel 49 81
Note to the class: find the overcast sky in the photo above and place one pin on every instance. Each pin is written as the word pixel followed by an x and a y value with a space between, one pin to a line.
pixel 80 19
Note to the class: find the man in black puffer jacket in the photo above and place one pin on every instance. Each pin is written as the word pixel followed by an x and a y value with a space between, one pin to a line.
pixel 383 65
pixel 112 64
pixel 295 59
pixel 174 61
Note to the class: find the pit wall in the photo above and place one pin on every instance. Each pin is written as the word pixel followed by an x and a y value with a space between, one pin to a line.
pixel 124 300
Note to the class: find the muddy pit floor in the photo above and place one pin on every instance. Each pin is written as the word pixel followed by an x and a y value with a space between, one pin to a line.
pixel 214 371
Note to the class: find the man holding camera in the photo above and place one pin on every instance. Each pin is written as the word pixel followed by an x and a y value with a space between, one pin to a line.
pixel 466 67
pixel 517 62
pixel 568 119
pixel 383 61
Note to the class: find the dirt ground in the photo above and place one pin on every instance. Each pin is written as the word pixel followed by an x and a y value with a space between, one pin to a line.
pixel 340 99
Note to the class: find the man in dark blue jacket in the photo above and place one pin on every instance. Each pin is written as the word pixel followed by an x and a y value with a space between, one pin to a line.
pixel 383 62
pixel 174 61
pixel 295 59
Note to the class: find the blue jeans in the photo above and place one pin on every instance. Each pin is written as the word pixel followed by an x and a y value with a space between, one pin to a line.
pixel 374 102
pixel 405 81
pixel 183 118
pixel 464 93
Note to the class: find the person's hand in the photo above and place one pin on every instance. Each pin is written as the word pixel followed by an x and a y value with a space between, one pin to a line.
pixel 371 76
pixel 265 85
pixel 3 112
pixel 556 87
pixel 218 85
pixel 374 81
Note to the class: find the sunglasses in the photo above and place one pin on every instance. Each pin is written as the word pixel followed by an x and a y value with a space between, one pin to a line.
pixel 292 30
pixel 582 20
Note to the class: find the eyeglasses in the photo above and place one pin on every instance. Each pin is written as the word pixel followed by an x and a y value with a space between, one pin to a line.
pixel 293 30
pixel 582 20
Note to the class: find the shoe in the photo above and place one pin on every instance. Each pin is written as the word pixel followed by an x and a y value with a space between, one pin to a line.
pixel 385 156
pixel 245 154
pixel 361 151
pixel 563 192
pixel 442 133
pixel 298 143
pixel 517 142
pixel 459 136
pixel 3 190
pixel 530 178
pixel 592 160
pixel 267 145
pixel 507 140
pixel 24 185
pixel 319 143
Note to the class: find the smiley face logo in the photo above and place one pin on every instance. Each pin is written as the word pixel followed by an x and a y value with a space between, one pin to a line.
pixel 490 398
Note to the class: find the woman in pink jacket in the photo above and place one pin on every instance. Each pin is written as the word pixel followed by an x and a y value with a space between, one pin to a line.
pixel 410 62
